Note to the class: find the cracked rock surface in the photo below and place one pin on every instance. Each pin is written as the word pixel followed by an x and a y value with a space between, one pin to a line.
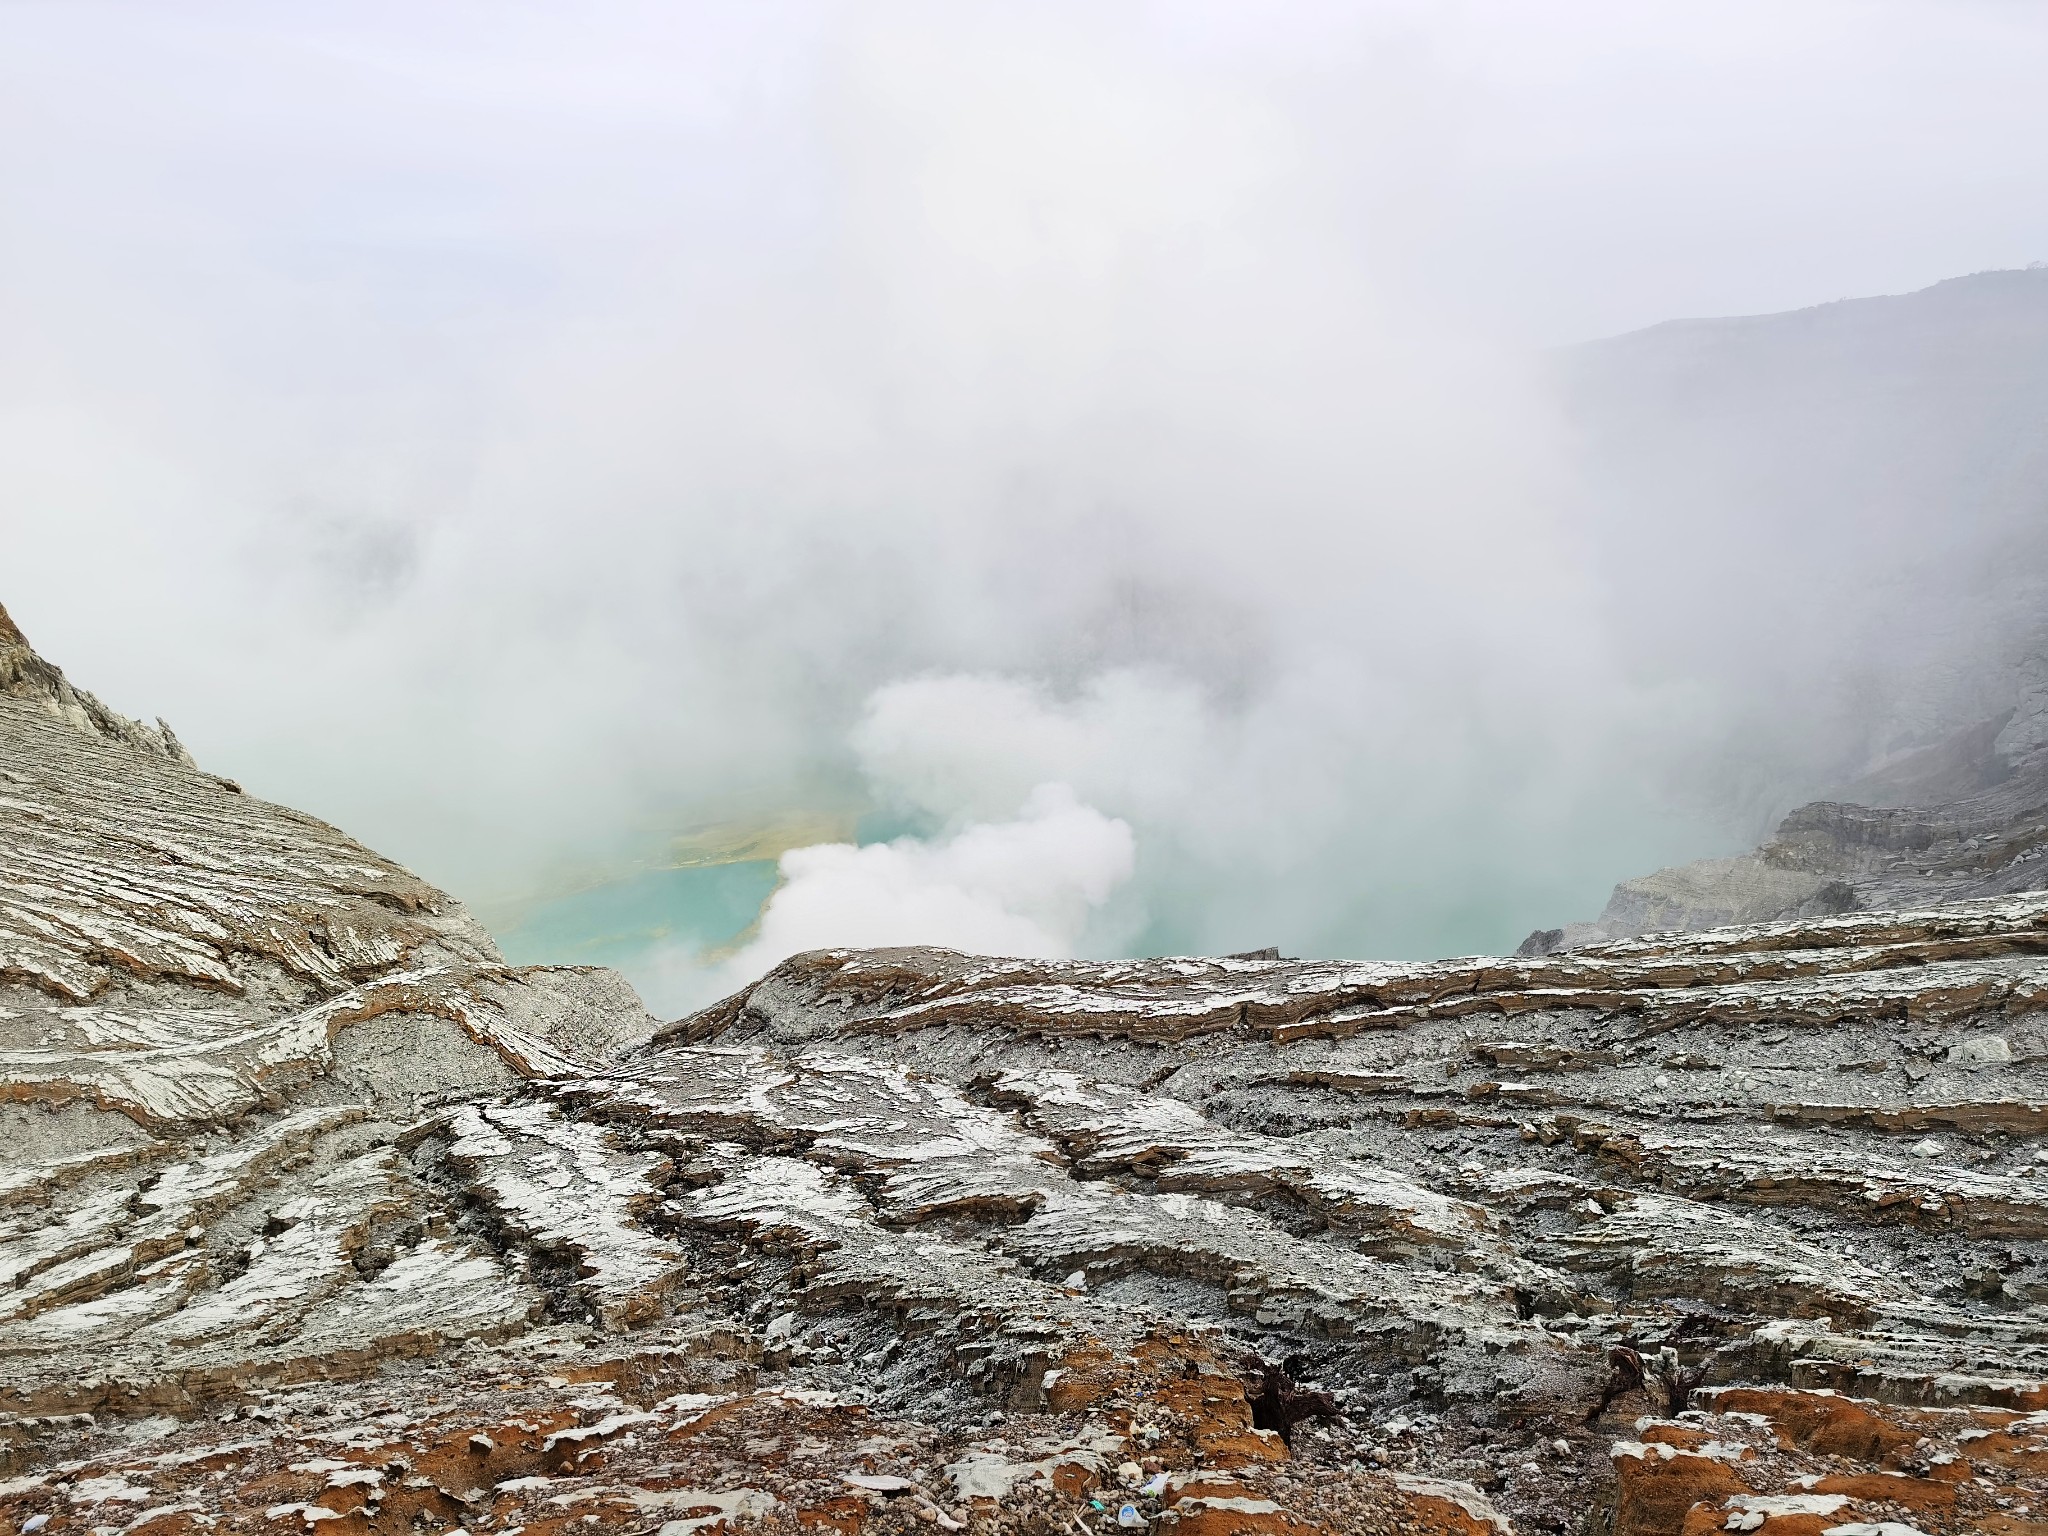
pixel 316 1215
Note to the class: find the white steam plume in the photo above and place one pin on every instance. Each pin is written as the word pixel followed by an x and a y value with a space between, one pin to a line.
pixel 1025 886
pixel 514 435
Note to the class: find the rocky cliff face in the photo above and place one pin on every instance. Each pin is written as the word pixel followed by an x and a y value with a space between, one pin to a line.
pixel 1827 527
pixel 26 677
pixel 1962 818
pixel 316 1215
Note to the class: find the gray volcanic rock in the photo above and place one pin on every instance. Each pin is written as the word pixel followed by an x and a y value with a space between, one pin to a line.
pixel 27 677
pixel 314 1209
pixel 1826 526
pixel 198 992
pixel 1964 818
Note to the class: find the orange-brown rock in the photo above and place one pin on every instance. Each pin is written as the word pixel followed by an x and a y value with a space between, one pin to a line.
pixel 1684 1437
pixel 1454 1509
pixel 1821 1422
pixel 1921 1495
pixel 1657 1491
pixel 2020 1445
pixel 1238 1516
pixel 1184 1378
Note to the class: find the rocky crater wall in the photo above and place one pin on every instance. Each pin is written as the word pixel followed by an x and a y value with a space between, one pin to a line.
pixel 314 1214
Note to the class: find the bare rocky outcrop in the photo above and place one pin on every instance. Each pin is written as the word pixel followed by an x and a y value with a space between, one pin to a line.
pixel 1963 818
pixel 217 1016
pixel 1828 523
pixel 315 1210
pixel 26 676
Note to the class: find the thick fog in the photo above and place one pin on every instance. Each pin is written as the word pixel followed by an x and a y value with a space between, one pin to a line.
pixel 1110 462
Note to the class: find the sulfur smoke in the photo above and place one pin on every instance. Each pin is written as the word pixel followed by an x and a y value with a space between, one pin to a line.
pixel 1105 450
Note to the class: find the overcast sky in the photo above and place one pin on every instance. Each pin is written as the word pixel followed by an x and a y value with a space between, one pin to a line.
pixel 1575 169
pixel 505 428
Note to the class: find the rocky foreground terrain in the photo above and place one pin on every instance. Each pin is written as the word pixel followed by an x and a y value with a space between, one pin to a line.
pixel 317 1216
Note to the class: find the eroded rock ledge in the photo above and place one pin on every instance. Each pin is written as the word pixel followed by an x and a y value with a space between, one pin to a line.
pixel 314 1211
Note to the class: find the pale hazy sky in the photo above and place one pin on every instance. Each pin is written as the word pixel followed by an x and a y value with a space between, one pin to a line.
pixel 501 427
pixel 1575 169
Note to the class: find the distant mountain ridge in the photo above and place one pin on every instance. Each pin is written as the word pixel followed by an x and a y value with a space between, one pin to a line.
pixel 1838 519
pixel 1840 512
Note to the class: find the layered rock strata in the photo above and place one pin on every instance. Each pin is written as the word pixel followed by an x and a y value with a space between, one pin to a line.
pixel 1960 819
pixel 315 1211
pixel 218 1018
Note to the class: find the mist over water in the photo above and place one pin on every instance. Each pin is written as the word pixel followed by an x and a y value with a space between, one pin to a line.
pixel 1062 479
